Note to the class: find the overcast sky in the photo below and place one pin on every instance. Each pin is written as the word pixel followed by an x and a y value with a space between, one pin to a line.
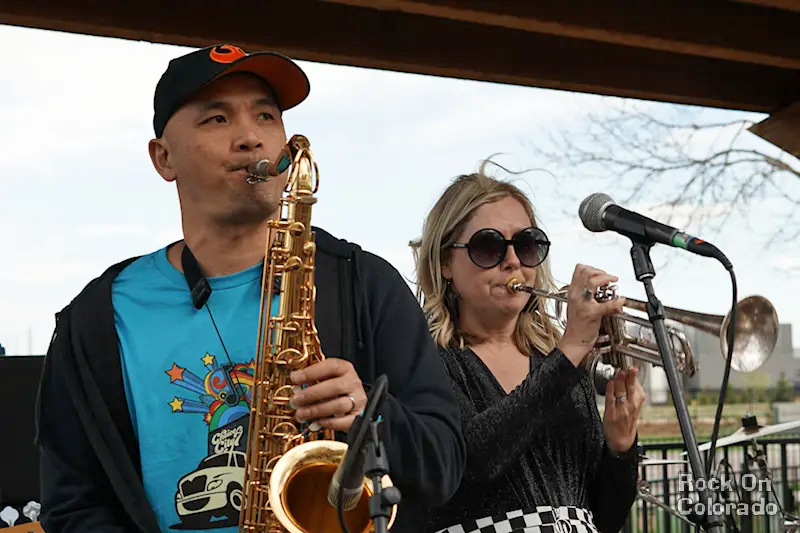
pixel 78 191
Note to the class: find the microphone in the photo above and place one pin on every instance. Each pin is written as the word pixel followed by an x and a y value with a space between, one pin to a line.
pixel 348 480
pixel 352 486
pixel 599 212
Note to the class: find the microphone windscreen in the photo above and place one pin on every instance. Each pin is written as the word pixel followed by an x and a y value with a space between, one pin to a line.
pixel 591 211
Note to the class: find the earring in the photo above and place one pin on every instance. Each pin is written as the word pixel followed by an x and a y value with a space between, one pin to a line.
pixel 451 300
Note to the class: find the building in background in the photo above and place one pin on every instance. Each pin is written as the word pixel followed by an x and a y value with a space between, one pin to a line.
pixel 2 350
pixel 783 364
pixel 711 360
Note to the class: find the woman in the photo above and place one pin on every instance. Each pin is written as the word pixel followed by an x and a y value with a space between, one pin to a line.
pixel 538 452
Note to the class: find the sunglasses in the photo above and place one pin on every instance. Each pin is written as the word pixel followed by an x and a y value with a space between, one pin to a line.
pixel 487 247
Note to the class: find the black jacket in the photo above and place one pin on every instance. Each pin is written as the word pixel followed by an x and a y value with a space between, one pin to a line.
pixel 365 313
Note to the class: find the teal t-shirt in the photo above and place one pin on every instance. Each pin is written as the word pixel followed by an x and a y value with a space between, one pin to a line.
pixel 181 388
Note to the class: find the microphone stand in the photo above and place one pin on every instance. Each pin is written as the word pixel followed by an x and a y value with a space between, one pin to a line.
pixel 645 272
pixel 366 439
pixel 375 467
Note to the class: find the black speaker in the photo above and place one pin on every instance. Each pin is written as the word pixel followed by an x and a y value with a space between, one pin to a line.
pixel 19 466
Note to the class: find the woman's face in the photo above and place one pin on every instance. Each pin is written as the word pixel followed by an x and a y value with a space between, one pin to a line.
pixel 483 291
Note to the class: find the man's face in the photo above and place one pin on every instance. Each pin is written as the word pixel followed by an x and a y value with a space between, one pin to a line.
pixel 209 142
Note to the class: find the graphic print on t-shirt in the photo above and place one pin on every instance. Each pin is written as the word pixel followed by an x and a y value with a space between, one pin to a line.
pixel 211 496
pixel 188 383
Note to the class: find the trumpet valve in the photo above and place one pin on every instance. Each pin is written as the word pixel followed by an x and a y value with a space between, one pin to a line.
pixel 606 292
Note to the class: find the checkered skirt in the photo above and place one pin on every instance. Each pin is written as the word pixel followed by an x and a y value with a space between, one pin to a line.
pixel 544 519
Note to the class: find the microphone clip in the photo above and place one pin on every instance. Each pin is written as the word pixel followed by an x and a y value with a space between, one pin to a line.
pixel 376 466
pixel 364 440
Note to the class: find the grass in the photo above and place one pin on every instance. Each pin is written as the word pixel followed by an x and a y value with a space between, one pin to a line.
pixel 659 423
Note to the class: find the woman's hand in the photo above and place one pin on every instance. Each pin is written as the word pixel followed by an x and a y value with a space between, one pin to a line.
pixel 584 313
pixel 624 399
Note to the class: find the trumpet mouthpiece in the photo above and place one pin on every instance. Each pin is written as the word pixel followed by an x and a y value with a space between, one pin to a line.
pixel 513 285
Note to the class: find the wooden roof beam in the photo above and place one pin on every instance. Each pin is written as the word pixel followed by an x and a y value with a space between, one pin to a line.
pixel 405 42
pixel 788 5
pixel 724 30
pixel 782 129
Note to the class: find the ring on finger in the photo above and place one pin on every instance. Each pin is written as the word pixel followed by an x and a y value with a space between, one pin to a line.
pixel 353 404
pixel 621 399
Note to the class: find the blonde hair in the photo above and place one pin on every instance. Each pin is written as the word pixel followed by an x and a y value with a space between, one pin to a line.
pixel 535 328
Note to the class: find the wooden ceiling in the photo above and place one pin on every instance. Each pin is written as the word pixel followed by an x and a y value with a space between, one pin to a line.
pixel 735 54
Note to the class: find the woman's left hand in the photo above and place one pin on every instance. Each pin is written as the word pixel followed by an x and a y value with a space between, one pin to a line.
pixel 624 399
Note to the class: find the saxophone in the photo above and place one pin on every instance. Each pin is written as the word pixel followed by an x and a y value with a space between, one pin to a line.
pixel 289 465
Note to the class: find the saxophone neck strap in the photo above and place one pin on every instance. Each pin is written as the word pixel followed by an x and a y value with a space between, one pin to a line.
pixel 198 284
pixel 201 290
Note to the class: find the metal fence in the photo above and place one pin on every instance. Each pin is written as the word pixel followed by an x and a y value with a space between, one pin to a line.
pixel 768 487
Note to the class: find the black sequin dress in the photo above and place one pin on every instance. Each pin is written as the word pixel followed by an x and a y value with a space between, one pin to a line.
pixel 540 445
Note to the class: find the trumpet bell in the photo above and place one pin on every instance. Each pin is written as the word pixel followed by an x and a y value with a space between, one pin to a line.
pixel 757 328
pixel 298 491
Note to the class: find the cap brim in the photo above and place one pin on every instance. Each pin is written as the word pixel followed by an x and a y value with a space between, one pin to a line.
pixel 287 79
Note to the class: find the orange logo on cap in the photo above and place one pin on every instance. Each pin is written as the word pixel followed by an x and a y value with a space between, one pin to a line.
pixel 226 53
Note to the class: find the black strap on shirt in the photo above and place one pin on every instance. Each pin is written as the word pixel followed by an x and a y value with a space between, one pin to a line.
pixel 198 284
pixel 201 291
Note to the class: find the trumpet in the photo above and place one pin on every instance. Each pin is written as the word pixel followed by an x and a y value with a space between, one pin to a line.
pixel 755 334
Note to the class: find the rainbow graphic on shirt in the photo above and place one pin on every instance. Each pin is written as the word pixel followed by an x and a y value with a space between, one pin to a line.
pixel 210 496
pixel 213 391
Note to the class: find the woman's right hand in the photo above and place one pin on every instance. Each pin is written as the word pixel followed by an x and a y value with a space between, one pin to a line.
pixel 584 313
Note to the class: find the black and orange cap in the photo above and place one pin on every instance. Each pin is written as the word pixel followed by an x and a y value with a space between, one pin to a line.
pixel 189 73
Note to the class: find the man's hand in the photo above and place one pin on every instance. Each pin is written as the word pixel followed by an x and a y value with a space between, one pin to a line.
pixel 333 396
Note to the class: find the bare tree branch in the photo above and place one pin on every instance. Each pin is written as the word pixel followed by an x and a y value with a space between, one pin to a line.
pixel 701 171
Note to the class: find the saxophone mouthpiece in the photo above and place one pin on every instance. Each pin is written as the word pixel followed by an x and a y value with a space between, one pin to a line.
pixel 258 172
pixel 264 170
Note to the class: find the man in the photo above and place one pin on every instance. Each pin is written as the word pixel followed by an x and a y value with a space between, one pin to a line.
pixel 140 425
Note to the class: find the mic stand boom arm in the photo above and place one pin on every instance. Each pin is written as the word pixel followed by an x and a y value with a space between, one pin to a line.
pixel 645 272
